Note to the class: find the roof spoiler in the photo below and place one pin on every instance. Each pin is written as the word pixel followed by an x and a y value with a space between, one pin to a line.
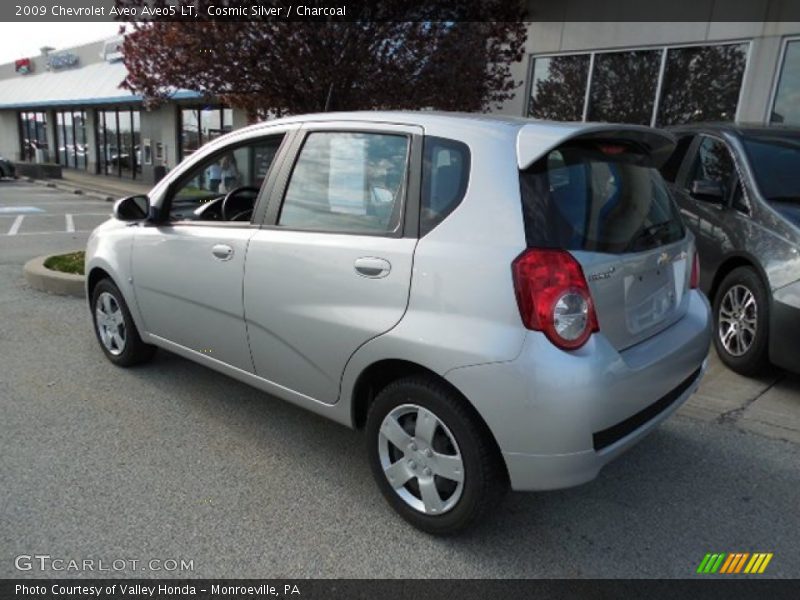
pixel 536 140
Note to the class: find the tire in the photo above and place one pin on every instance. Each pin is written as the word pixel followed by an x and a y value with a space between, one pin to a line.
pixel 741 322
pixel 114 327
pixel 455 433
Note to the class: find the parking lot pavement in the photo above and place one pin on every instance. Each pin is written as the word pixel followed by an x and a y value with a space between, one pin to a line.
pixel 172 460
pixel 27 209
pixel 768 405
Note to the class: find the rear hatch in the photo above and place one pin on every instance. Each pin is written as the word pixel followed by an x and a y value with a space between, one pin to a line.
pixel 599 195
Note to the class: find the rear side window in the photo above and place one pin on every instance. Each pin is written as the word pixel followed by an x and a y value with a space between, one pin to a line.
pixel 445 175
pixel 602 198
pixel 348 183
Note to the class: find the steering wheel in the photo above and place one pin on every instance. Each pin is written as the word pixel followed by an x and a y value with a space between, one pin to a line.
pixel 234 204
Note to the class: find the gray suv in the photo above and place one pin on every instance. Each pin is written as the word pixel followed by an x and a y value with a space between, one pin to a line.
pixel 495 301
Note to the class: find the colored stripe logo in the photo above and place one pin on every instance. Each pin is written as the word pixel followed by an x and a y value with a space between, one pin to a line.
pixel 734 563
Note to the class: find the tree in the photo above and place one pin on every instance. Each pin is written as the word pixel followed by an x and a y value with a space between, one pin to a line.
pixel 277 68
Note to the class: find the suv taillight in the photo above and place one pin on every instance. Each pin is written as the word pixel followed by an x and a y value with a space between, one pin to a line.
pixel 553 297
pixel 694 280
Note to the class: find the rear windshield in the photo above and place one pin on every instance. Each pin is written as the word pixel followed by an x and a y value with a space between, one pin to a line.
pixel 603 198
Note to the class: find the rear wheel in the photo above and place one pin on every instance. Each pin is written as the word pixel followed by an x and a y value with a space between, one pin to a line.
pixel 115 329
pixel 432 460
pixel 741 321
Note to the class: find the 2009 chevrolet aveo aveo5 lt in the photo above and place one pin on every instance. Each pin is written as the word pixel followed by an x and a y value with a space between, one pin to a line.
pixel 496 301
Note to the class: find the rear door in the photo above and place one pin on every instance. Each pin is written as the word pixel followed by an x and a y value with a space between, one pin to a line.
pixel 331 267
pixel 605 202
pixel 710 217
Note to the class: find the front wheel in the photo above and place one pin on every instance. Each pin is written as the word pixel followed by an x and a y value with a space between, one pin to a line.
pixel 432 459
pixel 115 329
pixel 741 322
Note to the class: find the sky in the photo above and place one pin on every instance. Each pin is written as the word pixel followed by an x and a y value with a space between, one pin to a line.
pixel 21 40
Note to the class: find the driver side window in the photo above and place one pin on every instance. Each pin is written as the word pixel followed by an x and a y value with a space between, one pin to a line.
pixel 240 169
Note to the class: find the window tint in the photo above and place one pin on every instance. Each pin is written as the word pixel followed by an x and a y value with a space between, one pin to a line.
pixel 787 107
pixel 776 165
pixel 670 169
pixel 444 180
pixel 713 163
pixel 558 87
pixel 243 166
pixel 347 182
pixel 624 86
pixel 579 198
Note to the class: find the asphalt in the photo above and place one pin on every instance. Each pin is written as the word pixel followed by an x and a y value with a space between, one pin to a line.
pixel 173 461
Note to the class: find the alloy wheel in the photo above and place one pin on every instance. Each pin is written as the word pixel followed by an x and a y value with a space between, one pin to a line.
pixel 738 320
pixel 421 459
pixel 110 323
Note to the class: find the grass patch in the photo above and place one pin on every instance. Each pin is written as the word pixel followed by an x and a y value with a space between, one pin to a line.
pixel 67 263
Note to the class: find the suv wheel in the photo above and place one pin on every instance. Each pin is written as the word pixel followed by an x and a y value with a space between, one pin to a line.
pixel 741 322
pixel 432 460
pixel 115 328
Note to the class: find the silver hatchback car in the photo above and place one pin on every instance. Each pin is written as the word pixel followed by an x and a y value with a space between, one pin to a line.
pixel 496 301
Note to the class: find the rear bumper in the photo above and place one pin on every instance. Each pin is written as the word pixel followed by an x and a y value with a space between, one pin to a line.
pixel 542 472
pixel 559 417
pixel 784 334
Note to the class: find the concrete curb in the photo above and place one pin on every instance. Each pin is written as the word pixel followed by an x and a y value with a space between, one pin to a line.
pixel 54 282
pixel 65 187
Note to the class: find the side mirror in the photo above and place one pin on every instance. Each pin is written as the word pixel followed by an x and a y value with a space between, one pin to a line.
pixel 706 189
pixel 132 208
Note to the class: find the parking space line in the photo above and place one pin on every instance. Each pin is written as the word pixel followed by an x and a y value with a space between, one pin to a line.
pixel 53 232
pixel 16 225
pixel 70 223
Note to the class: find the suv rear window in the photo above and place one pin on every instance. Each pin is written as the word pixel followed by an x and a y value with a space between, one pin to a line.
pixel 599 197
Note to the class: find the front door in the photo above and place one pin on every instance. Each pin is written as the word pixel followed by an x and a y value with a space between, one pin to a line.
pixel 188 270
pixel 331 268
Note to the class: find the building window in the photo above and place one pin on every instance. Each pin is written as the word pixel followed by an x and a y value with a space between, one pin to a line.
pixel 201 125
pixel 663 86
pixel 786 108
pixel 624 86
pixel 71 139
pixel 33 134
pixel 702 83
pixel 558 87
pixel 119 139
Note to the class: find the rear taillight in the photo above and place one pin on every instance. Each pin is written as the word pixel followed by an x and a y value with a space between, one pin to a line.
pixel 553 297
pixel 694 280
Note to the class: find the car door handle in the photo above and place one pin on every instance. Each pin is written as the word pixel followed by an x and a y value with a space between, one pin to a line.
pixel 222 251
pixel 372 267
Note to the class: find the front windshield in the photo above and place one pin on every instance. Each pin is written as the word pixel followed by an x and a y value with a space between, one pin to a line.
pixel 775 159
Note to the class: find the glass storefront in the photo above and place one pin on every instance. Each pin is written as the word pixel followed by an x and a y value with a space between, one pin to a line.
pixel 119 140
pixel 653 86
pixel 702 83
pixel 33 134
pixel 623 86
pixel 73 150
pixel 202 124
pixel 559 87
pixel 786 107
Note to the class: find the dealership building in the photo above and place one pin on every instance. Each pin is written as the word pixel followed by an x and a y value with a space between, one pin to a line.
pixel 66 107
